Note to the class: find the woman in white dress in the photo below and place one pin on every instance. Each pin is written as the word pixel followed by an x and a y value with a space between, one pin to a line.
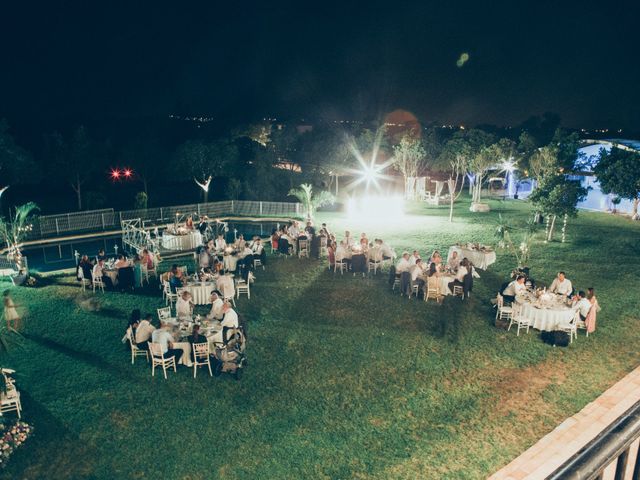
pixel 10 313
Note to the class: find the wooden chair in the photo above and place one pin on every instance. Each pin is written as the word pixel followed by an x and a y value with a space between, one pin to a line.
pixel 201 357
pixel 303 248
pixel 433 289
pixel 135 351
pixel 158 359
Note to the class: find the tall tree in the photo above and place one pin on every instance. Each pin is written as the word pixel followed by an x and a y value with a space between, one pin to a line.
pixel 409 158
pixel 481 159
pixel 311 200
pixel 618 172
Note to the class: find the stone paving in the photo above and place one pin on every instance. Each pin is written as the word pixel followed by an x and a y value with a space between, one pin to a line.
pixel 566 439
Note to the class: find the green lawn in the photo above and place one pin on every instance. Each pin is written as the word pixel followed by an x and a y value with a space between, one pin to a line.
pixel 346 379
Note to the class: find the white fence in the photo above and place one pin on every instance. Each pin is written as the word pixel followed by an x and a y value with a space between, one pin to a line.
pixel 108 219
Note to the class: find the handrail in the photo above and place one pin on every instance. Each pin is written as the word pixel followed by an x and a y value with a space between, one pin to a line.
pixel 609 446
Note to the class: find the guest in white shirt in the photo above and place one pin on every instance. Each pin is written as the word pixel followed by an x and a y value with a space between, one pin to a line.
pixel 561 285
pixel 348 239
pixel 417 272
pixel 98 272
pixel 163 337
pixel 343 252
pixel 294 231
pixel 216 306
pixel 454 261
pixel 184 305
pixel 220 243
pixel 514 288
pixel 240 243
pixel 462 272
pixel 204 259
pixel 229 320
pixel 403 264
pixel 403 269
pixel 415 256
pixel 387 251
pixel 582 305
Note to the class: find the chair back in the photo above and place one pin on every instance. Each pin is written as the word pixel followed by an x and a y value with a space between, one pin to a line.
pixel 200 350
pixel 164 313
pixel 156 350
pixel 500 301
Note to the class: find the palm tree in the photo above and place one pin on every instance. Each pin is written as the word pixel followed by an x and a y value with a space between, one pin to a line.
pixel 13 232
pixel 310 200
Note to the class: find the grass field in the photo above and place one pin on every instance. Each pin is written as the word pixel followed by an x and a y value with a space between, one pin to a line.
pixel 346 379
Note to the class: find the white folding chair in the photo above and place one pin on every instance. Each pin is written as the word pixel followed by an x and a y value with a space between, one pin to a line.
pixel 415 290
pixel 201 357
pixel 373 265
pixel 84 282
pixel 458 291
pixel 571 328
pixel 10 400
pixel 433 289
pixel 396 282
pixel 323 246
pixel 98 283
pixel 257 263
pixel 157 358
pixel 164 313
pixel 303 248
pixel 135 351
pixel 242 287
pixel 503 312
pixel 169 296
pixel 340 264
pixel 522 322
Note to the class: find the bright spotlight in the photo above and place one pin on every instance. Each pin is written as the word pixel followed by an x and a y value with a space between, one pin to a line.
pixel 115 173
pixel 508 166
pixel 127 172
pixel 380 209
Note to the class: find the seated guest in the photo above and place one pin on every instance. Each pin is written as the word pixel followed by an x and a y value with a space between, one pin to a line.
pixel 87 268
pixel 240 243
pixel 189 223
pixel 101 255
pixel 122 262
pixel 460 274
pixel 225 285
pixel 196 336
pixel 417 273
pixel 561 285
pixel 175 278
pixel 582 305
pixel 374 253
pixel 204 258
pixel 259 252
pixel 387 251
pixel 309 229
pixel 293 231
pixel 364 241
pixel 216 306
pixel 98 272
pixel 284 241
pixel 433 270
pixel 415 256
pixel 324 231
pixel 514 288
pixel 220 243
pixel 137 271
pixel 229 320
pixel 403 269
pixel 140 330
pixel 163 336
pixel 184 305
pixel 435 257
pixel 343 253
pixel 147 259
pixel 275 236
pixel 348 239
pixel 203 224
pixel 454 261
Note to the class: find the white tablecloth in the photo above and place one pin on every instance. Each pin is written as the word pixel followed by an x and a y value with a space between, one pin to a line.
pixel 480 259
pixel 201 292
pixel 443 283
pixel 182 242
pixel 230 262
pixel 548 319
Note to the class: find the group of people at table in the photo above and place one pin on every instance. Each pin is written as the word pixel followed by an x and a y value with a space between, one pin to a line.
pixel 125 273
pixel 561 297
pixel 176 335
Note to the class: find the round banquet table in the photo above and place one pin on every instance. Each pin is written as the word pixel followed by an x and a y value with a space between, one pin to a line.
pixel 189 241
pixel 479 258
pixel 200 292
pixel 443 284
pixel 548 319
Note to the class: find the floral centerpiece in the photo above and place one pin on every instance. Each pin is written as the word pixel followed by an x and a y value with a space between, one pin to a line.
pixel 11 438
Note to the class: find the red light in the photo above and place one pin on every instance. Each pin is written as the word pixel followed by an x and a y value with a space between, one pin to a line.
pixel 115 174
pixel 127 172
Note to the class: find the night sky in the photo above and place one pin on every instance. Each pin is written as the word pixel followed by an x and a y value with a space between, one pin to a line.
pixel 238 62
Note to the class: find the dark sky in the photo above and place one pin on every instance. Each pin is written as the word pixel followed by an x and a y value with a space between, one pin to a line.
pixel 237 61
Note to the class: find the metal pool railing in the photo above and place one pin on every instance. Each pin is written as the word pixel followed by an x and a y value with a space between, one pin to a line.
pixel 108 219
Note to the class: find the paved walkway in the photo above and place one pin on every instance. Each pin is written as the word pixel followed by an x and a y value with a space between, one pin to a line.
pixel 575 432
